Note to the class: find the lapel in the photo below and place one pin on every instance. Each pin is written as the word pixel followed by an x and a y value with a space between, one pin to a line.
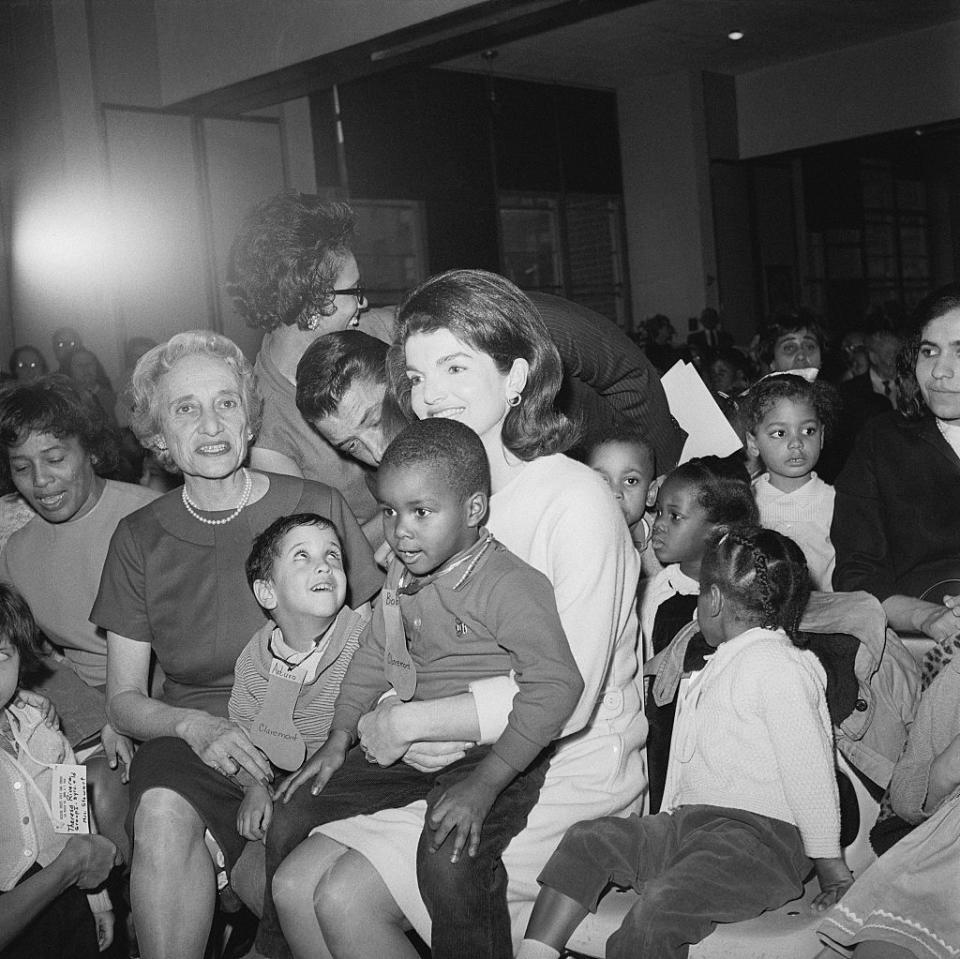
pixel 928 431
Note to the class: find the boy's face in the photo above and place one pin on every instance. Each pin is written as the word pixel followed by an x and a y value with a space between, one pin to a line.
pixel 628 472
pixel 788 439
pixel 308 583
pixel 682 527
pixel 9 670
pixel 424 521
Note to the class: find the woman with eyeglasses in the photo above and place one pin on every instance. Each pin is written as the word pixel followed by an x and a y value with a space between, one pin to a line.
pixel 293 275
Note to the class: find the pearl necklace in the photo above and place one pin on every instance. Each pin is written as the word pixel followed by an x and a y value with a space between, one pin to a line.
pixel 192 507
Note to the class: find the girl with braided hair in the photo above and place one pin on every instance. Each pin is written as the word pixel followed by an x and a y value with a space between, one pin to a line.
pixel 751 794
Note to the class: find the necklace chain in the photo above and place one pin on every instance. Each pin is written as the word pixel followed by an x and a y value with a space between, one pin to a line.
pixel 192 507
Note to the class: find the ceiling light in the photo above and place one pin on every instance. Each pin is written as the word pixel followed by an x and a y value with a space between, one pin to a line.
pixel 735 35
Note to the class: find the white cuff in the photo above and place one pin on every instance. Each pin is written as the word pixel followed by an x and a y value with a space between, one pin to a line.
pixel 100 901
pixel 493 698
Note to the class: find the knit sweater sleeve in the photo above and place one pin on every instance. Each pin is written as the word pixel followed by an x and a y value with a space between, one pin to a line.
pixel 794 710
pixel 936 723
pixel 249 685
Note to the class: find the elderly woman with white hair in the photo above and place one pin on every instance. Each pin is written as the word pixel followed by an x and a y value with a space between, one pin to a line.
pixel 174 584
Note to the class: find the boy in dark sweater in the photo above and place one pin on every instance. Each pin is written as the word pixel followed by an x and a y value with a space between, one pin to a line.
pixel 457 607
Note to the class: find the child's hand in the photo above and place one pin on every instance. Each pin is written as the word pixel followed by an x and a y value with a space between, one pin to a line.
pixel 118 749
pixel 380 738
pixel 320 767
pixel 27 697
pixel 104 922
pixel 463 807
pixel 255 813
pixel 834 878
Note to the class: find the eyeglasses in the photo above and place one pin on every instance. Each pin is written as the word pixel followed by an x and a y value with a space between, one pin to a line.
pixel 356 291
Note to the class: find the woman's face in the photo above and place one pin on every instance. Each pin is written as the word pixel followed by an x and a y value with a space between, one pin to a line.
pixel 28 366
pixel 348 306
pixel 55 476
pixel 202 417
pixel 452 379
pixel 799 350
pixel 938 365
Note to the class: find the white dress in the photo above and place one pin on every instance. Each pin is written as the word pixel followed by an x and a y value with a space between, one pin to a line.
pixel 559 516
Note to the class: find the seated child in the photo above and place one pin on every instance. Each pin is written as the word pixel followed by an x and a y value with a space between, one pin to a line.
pixel 43 914
pixel 751 793
pixel 288 676
pixel 457 607
pixel 785 417
pixel 694 500
pixel 628 465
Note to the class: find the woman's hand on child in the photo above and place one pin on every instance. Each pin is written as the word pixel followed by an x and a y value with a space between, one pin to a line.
pixel 944 621
pixel 104 921
pixel 27 697
pixel 88 859
pixel 834 878
pixel 319 767
pixel 255 813
pixel 224 746
pixel 118 749
pixel 429 757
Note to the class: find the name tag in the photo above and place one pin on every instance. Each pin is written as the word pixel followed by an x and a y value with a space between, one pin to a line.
pixel 282 671
pixel 68 801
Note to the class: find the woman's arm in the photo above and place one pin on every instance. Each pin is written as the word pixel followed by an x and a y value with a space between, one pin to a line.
pixel 906 614
pixel 84 861
pixel 217 741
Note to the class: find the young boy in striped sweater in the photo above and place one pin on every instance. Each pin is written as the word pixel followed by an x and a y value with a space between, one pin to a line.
pixel 288 676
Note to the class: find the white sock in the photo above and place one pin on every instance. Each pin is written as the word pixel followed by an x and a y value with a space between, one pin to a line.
pixel 532 949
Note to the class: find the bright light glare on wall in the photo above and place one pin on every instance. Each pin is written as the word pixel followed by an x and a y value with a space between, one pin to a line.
pixel 735 35
pixel 62 241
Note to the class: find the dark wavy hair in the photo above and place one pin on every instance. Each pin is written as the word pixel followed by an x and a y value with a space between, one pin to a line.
pixel 723 489
pixel 780 324
pixel 265 550
pixel 329 366
pixel 53 404
pixel 938 303
pixel 285 259
pixel 765 393
pixel 491 315
pixel 443 448
pixel 761 571
pixel 19 627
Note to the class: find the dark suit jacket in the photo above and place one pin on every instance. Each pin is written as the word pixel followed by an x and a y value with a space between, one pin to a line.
pixel 896 519
pixel 859 404
pixel 608 380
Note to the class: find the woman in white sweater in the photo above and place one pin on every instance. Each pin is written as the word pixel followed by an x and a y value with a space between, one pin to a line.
pixel 475 349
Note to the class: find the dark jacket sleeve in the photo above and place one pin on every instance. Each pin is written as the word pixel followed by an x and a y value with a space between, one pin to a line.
pixel 858 530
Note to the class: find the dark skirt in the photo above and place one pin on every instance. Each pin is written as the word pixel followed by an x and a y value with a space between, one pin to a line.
pixel 169 763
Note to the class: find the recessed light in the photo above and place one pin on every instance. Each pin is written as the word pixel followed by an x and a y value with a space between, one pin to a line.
pixel 735 35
